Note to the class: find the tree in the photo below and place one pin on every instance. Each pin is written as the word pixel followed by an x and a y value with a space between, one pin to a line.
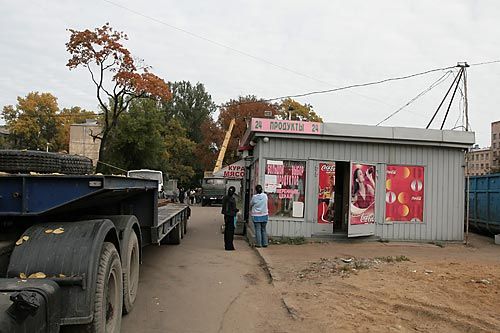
pixel 142 139
pixel 70 116
pixel 241 110
pixel 101 52
pixel 206 151
pixel 179 149
pixel 191 105
pixel 33 123
pixel 303 112
pixel 138 140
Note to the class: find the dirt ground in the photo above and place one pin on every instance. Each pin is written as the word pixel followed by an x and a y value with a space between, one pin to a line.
pixel 390 287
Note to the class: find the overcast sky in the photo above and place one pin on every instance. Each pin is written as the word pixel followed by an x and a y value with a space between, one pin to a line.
pixel 291 47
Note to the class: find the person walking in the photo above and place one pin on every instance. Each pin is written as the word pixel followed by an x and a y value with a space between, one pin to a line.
pixel 229 211
pixel 182 195
pixel 260 215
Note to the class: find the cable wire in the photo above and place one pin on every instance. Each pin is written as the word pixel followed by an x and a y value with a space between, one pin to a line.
pixel 422 93
pixel 354 85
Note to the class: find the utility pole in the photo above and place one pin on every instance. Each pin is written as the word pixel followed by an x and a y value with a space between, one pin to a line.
pixel 463 66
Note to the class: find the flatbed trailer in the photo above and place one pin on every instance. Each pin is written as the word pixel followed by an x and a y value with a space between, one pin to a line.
pixel 70 248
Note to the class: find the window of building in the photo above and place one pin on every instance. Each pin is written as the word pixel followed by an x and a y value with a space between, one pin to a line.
pixel 487 165
pixel 494 136
pixel 482 165
pixel 494 145
pixel 285 183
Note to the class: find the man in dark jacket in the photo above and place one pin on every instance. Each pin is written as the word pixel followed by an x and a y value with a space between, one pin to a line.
pixel 229 210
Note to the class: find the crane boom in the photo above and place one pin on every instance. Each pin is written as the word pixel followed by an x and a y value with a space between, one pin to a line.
pixel 222 152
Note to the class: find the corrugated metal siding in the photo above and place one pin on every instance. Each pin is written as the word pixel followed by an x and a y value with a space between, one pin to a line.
pixel 443 193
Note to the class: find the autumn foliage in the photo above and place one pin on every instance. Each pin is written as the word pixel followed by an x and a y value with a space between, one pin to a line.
pixel 242 110
pixel 102 53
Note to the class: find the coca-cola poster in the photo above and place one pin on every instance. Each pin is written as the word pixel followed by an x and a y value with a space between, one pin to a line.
pixel 326 191
pixel 362 207
pixel 404 196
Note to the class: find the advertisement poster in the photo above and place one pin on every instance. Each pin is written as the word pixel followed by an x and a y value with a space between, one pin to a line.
pixel 285 186
pixel 326 191
pixel 362 207
pixel 404 196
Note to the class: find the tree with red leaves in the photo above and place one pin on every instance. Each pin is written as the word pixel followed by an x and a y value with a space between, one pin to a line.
pixel 242 111
pixel 102 53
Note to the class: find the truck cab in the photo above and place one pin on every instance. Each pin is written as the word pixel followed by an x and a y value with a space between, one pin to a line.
pixel 213 190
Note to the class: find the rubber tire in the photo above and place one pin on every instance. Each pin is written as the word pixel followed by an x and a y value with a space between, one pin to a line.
pixel 131 273
pixel 25 161
pixel 109 263
pixel 174 237
pixel 203 203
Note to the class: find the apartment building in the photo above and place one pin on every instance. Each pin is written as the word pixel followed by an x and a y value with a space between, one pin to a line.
pixel 495 145
pixel 479 161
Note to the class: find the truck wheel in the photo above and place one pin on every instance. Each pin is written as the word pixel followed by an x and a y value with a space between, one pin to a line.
pixel 175 235
pixel 131 274
pixel 108 293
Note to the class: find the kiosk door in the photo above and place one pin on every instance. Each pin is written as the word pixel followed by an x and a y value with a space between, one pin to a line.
pixel 362 200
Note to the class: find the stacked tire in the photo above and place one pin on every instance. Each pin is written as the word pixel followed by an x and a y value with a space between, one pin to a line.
pixel 26 161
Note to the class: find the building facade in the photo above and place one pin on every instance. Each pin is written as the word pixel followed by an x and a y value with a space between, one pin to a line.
pixel 495 146
pixel 81 141
pixel 482 161
pixel 479 161
pixel 354 180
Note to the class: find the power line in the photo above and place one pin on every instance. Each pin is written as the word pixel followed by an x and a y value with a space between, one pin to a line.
pixel 353 85
pixel 228 47
pixel 422 93
pixel 485 63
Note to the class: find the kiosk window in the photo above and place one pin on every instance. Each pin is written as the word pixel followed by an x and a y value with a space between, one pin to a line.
pixel 285 187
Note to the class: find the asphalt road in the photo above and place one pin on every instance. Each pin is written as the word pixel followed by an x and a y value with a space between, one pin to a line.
pixel 198 287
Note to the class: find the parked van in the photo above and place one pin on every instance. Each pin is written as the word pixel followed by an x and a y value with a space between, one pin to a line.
pixel 149 174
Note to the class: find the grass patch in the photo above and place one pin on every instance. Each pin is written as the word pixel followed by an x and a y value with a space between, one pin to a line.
pixel 288 240
pixel 390 259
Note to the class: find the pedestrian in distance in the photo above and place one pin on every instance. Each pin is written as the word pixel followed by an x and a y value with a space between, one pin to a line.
pixel 260 215
pixel 229 211
pixel 191 196
pixel 182 194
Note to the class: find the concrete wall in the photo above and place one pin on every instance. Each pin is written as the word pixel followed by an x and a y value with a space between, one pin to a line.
pixel 443 192
pixel 81 143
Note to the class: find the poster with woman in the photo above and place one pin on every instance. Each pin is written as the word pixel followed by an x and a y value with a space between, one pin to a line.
pixel 362 206
pixel 326 192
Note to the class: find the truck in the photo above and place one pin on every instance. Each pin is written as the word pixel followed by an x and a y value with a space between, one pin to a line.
pixel 213 190
pixel 484 203
pixel 71 245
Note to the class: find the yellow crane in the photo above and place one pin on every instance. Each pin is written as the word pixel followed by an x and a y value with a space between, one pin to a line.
pixel 222 152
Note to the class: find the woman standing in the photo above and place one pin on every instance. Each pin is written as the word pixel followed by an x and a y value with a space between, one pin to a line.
pixel 229 210
pixel 260 216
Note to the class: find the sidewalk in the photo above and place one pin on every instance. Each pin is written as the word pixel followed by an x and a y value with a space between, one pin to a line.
pixel 380 287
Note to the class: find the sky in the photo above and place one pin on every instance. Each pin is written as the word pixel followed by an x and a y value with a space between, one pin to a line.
pixel 274 48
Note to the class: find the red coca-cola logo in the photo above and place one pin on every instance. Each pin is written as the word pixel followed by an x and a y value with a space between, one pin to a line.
pixel 328 167
pixel 367 218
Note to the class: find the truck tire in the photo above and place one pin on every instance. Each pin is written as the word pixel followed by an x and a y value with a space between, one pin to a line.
pixel 174 237
pixel 131 274
pixel 185 227
pixel 21 161
pixel 108 293
pixel 15 161
pixel 76 165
